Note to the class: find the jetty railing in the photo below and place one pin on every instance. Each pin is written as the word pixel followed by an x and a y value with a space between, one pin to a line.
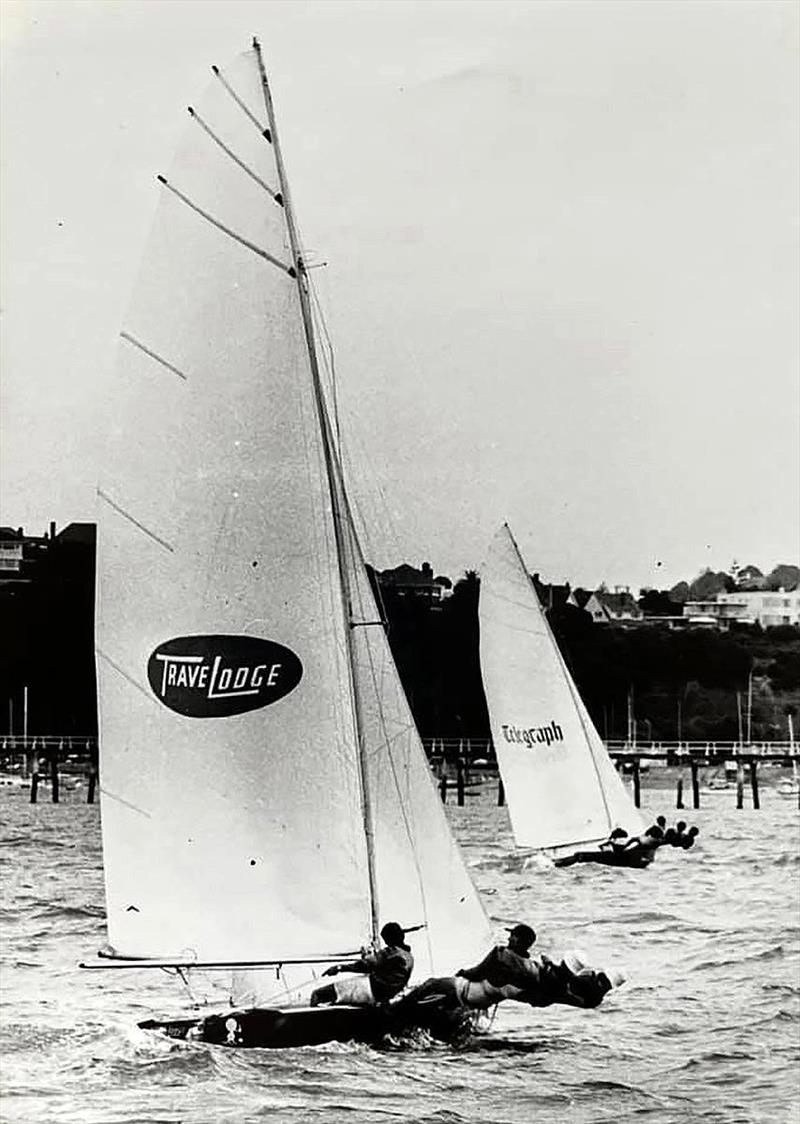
pixel 47 757
pixel 455 761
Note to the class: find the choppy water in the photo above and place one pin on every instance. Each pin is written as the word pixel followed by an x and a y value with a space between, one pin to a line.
pixel 706 1029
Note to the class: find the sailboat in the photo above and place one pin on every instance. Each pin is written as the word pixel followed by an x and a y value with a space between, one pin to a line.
pixel 266 801
pixel 563 792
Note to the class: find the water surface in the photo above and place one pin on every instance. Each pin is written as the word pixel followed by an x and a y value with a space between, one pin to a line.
pixel 705 1029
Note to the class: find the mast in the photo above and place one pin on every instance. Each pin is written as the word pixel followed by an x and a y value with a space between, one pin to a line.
pixel 335 481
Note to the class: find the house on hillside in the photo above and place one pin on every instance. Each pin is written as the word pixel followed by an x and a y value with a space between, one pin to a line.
pixel 22 556
pixel 764 607
pixel 407 581
pixel 607 607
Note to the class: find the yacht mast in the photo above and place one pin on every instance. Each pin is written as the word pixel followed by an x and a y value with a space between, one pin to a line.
pixel 335 481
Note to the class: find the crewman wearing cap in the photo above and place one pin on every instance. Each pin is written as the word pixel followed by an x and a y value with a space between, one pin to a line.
pixel 507 966
pixel 380 975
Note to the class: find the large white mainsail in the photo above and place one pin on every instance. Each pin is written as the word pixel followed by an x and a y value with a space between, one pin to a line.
pixel 560 783
pixel 245 810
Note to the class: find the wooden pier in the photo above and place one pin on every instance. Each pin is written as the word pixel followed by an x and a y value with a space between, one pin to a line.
pixel 458 759
pixel 33 761
pixel 457 764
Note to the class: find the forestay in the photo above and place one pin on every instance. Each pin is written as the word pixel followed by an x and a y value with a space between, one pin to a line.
pixel 561 785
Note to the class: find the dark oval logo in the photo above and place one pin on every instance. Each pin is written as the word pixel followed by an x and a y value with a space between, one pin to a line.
pixel 217 676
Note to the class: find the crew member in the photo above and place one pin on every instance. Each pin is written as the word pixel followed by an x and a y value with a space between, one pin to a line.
pixel 509 972
pixel 616 841
pixel 381 975
pixel 502 974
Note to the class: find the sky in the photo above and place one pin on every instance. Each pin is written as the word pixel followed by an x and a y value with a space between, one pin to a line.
pixel 561 247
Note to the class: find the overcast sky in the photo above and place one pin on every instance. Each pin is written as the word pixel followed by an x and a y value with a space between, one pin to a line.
pixel 562 247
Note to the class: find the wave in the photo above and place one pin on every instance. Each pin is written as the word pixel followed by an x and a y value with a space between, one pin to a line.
pixel 48 910
pixel 713 1056
pixel 775 953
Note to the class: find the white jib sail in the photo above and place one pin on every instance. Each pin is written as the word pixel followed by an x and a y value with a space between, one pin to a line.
pixel 231 800
pixel 561 785
pixel 420 873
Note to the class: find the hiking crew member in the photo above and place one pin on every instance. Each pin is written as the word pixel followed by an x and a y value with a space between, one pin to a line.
pixel 508 972
pixel 617 841
pixel 502 974
pixel 382 974
pixel 505 970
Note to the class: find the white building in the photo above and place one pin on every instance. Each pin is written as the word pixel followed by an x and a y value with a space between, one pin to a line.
pixel 764 607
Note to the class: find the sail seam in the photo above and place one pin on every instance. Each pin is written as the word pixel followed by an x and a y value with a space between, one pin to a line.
pixel 126 803
pixel 127 515
pixel 226 229
pixel 153 355
pixel 121 671
pixel 229 152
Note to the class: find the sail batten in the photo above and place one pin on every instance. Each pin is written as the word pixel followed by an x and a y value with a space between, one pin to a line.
pixel 561 786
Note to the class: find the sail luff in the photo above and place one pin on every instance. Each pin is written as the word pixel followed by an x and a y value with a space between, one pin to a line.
pixel 334 477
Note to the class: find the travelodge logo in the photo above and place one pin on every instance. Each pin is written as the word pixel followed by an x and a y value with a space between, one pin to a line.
pixel 217 676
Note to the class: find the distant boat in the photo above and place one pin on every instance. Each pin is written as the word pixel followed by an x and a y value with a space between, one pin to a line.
pixel 718 782
pixel 266 801
pixel 562 788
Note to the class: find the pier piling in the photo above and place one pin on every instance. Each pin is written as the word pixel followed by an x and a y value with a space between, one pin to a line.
pixel 54 793
pixel 32 765
pixel 460 782
pixel 443 787
pixel 501 792
pixel 695 784
pixel 637 784
pixel 679 793
pixel 739 785
pixel 754 782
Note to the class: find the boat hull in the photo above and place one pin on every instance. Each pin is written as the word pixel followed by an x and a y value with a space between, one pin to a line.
pixel 631 860
pixel 283 1028
pixel 277 1028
